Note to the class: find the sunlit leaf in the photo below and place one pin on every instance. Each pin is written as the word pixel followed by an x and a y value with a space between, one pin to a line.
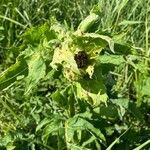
pixel 37 70
pixel 93 42
pixel 93 90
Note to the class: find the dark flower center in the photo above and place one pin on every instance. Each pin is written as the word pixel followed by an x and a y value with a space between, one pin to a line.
pixel 81 59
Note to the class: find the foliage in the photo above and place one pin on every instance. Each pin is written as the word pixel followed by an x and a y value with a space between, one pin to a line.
pixel 71 85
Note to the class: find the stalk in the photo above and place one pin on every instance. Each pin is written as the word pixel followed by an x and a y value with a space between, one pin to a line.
pixel 71 103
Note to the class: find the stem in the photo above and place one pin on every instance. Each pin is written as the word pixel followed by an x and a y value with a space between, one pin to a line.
pixel 142 145
pixel 71 103
pixel 117 139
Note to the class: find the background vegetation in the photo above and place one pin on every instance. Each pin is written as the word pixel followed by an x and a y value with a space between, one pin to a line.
pixel 38 120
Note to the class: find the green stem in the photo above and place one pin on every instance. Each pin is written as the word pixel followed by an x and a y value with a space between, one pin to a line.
pixel 71 103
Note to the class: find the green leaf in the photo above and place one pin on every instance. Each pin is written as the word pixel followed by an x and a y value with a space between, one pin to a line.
pixel 37 70
pixel 122 49
pixel 34 35
pixel 122 102
pixel 76 124
pixel 107 39
pixel 93 42
pixel 54 125
pixel 88 22
pixel 93 90
pixel 142 86
pixel 111 59
pixel 43 123
pixel 7 141
pixel 110 112
pixel 10 75
pixel 65 57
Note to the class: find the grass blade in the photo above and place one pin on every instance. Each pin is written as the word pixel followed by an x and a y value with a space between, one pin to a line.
pixel 117 139
pixel 13 21
pixel 142 145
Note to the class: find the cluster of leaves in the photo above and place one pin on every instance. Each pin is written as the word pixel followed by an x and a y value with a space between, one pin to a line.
pixel 74 111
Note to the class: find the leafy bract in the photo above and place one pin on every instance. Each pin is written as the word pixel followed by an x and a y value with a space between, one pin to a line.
pixel 66 57
pixel 92 90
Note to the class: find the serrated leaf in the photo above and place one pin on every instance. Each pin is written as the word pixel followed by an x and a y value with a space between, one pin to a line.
pixel 37 70
pixel 10 75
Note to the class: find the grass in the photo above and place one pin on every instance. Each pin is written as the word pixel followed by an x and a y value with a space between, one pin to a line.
pixel 126 22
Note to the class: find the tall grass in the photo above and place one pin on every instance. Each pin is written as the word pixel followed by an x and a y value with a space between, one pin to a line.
pixel 124 20
pixel 118 17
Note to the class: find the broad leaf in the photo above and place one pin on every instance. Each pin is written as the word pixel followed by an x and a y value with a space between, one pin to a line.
pixel 93 42
pixel 93 90
pixel 35 35
pixel 109 112
pixel 37 70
